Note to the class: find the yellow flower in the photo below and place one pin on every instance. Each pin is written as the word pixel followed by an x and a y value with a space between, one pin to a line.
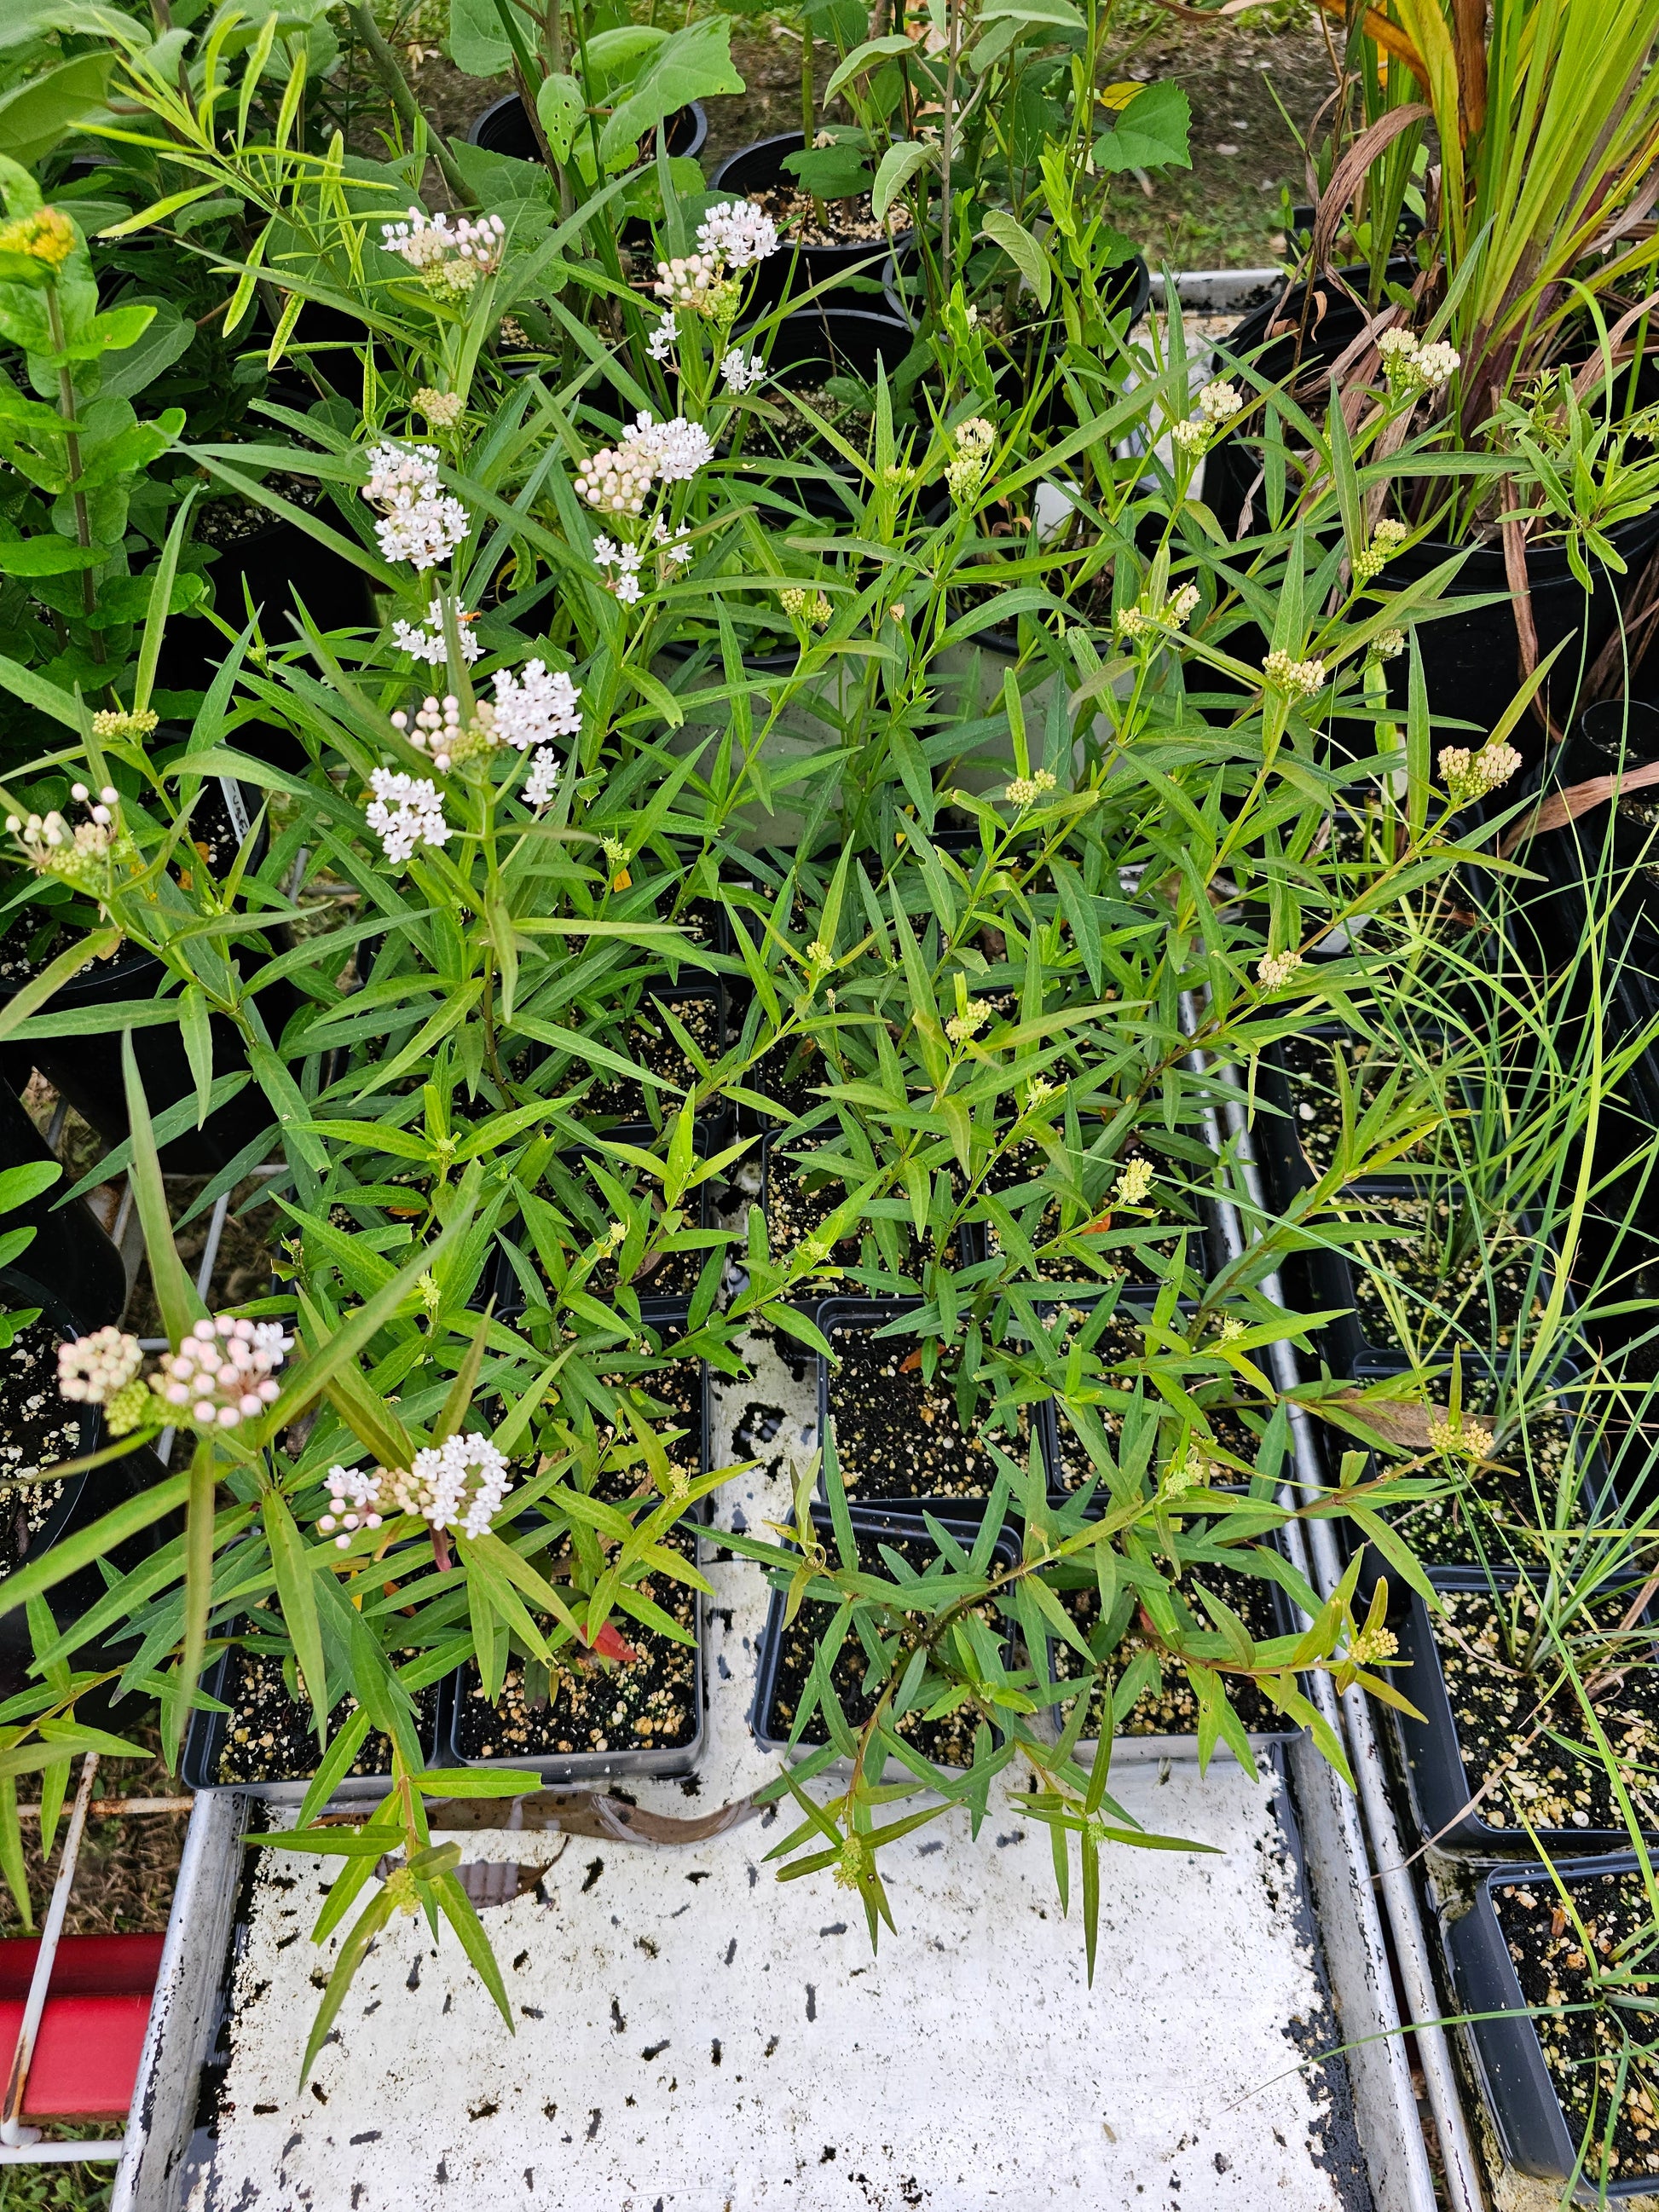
pixel 46 235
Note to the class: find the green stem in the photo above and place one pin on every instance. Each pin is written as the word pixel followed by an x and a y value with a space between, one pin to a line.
pixel 72 451
pixel 947 134
pixel 407 108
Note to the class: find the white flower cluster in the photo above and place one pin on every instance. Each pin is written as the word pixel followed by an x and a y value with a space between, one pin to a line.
pixel 542 780
pixel 1142 621
pixel 675 451
pixel 406 811
pixel 1135 1181
pixel 459 1484
pixel 80 853
pixel 617 479
pixel 972 441
pixel 674 546
pixel 662 340
pixel 1276 969
pixel 437 728
pixel 1470 776
pixel 537 704
pixel 446 260
pixel 738 234
pixel 1217 404
pixel 740 372
pixel 1389 644
pixel 688 280
pixel 1297 679
pixel 441 408
pixel 224 1373
pixel 425 641
pixel 1411 367
pixel 418 523
pixel 614 481
pixel 93 1369
pixel 1467 1439
pixel 970 1022
pixel 625 561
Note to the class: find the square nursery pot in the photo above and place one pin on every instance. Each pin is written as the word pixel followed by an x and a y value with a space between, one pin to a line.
pixel 899 1443
pixel 1538 2133
pixel 795 1211
pixel 1519 1495
pixel 787 1651
pixel 1567 1798
pixel 645 1716
pixel 1163 1722
pixel 230 1750
pixel 1482 1318
pixel 549 1740
pixel 1122 1339
pixel 1296 1141
pixel 616 1105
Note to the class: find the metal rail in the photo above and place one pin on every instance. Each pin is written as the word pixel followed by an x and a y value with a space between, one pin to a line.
pixel 1351 1715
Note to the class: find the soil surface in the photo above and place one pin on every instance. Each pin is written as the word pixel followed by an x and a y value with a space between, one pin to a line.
pixel 1555 1778
pixel 271 1735
pixel 1511 1504
pixel 898 1436
pixel 1582 2041
pixel 647 1040
pixel 1416 1292
pixel 38 1427
pixel 651 1702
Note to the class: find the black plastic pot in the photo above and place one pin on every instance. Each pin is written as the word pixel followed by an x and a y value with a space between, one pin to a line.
pixel 1274 1132
pixel 813 343
pixel 71 1257
pixel 1532 2129
pixel 204 1745
pixel 504 128
pixel 86 1070
pixel 1327 1280
pixel 511 1295
pixel 872 1527
pixel 867 1317
pixel 276 568
pixel 1470 662
pixel 1129 291
pixel 1439 1785
pixel 759 168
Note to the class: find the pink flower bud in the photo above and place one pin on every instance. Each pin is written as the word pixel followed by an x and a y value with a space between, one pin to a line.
pixel 202 1410
pixel 228 1417
pixel 342 1543
pixel 326 1524
pixel 176 1395
pixel 205 1331
pixel 269 1391
pixel 249 1406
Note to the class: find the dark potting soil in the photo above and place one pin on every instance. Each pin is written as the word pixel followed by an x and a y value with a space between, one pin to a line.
pixel 796 1209
pixel 271 1735
pixel 948 1741
pixel 1310 1064
pixel 897 1435
pixel 1169 1706
pixel 35 939
pixel 850 222
pixel 38 1429
pixel 232 519
pixel 1582 2041
pixel 648 1703
pixel 1493 1704
pixel 1487 1296
pixel 647 1040
pixel 669 1397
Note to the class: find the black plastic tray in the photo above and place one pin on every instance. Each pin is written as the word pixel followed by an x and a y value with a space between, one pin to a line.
pixel 1437 1787
pixel 1509 2063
